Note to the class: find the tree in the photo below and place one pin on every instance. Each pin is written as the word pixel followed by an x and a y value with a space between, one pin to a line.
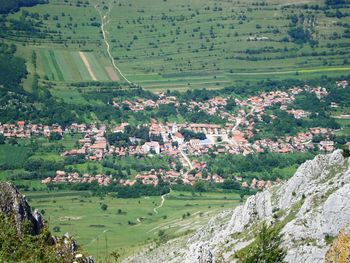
pixel 104 207
pixel 231 104
pixel 231 185
pixel 300 35
pixel 55 136
pixel 266 247
pixel 2 139
pixel 200 186
pixel 346 151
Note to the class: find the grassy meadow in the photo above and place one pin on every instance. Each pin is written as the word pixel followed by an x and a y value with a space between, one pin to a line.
pixel 13 154
pixel 127 224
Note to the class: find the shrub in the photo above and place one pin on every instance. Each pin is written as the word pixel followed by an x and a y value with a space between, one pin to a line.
pixel 266 247
pixel 104 207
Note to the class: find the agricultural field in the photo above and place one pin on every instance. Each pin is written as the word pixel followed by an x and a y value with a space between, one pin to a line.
pixel 187 45
pixel 204 43
pixel 13 155
pixel 345 123
pixel 70 66
pixel 127 224
pixel 59 65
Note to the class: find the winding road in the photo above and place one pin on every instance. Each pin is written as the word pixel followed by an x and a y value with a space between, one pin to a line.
pixel 104 22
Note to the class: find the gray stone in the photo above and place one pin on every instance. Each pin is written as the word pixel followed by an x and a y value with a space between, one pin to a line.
pixel 314 203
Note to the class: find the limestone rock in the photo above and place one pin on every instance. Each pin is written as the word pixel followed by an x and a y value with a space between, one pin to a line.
pixel 12 203
pixel 14 206
pixel 311 206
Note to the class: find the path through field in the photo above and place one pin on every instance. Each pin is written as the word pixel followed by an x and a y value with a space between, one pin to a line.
pixel 104 21
pixel 162 203
pixel 96 238
pixel 87 65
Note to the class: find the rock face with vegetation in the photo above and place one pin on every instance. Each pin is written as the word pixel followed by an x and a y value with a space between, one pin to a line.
pixel 310 210
pixel 24 236
pixel 12 203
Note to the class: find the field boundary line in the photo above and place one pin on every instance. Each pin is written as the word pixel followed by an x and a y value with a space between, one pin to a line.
pixel 288 71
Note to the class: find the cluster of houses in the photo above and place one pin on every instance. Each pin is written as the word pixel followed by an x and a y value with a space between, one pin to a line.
pixel 64 177
pixel 342 84
pixel 152 178
pixel 143 104
pixel 235 137
pixel 93 145
pixel 26 130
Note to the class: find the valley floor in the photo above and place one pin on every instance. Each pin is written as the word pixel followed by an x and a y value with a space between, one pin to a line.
pixel 127 224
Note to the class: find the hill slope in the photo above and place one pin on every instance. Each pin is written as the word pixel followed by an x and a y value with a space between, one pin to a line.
pixel 310 210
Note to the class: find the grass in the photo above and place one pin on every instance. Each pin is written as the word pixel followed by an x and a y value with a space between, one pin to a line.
pixel 14 155
pixel 82 216
pixel 97 68
pixel 345 124
pixel 52 56
pixel 67 66
pixel 69 95
pixel 185 45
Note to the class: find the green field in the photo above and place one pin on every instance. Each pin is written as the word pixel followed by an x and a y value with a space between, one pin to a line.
pixel 13 154
pixel 137 224
pixel 68 66
pixel 187 45
pixel 345 123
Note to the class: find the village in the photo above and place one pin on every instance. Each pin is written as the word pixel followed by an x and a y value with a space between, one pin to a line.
pixel 152 178
pixel 235 137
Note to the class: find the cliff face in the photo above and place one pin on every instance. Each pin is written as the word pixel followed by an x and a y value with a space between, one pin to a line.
pixel 24 236
pixel 310 209
pixel 12 203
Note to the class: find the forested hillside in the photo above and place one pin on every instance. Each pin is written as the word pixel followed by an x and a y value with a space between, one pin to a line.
pixel 7 6
pixel 19 104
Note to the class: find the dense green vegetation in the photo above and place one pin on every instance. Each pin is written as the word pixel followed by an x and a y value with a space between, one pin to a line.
pixel 267 247
pixel 14 5
pixel 12 69
pixel 39 105
pixel 266 166
pixel 25 247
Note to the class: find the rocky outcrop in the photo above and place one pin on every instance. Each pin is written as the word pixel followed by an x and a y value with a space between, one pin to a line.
pixel 340 248
pixel 13 204
pixel 310 208
pixel 16 212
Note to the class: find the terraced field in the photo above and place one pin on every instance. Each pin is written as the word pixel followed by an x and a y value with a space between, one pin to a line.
pixel 213 43
pixel 183 45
